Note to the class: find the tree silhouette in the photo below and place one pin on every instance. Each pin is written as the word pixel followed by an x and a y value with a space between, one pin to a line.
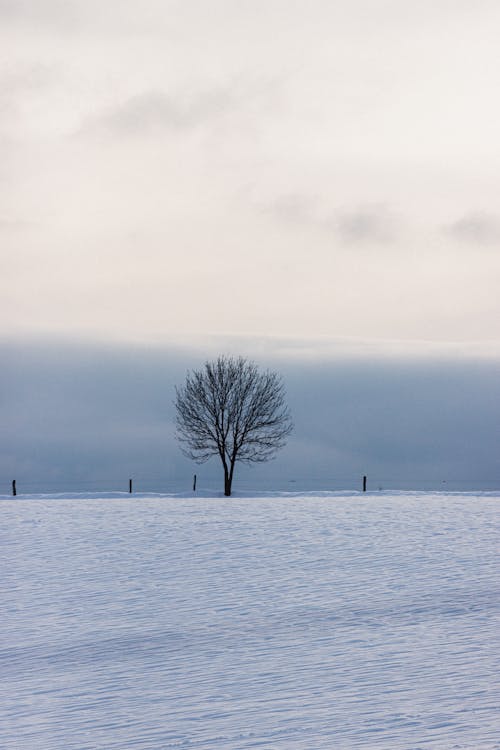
pixel 232 410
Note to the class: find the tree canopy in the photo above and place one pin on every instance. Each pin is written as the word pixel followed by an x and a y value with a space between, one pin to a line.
pixel 231 409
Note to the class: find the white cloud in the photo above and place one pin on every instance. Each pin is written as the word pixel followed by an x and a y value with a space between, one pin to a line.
pixel 56 13
pixel 293 207
pixel 363 225
pixel 476 229
pixel 370 224
pixel 155 111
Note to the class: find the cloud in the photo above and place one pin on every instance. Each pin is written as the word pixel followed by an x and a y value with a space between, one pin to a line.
pixel 25 77
pixel 373 223
pixel 20 82
pixel 14 225
pixel 293 207
pixel 34 13
pixel 366 225
pixel 185 110
pixel 156 110
pixel 90 17
pixel 476 228
pixel 89 413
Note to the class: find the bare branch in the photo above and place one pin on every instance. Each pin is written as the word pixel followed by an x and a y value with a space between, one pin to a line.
pixel 232 410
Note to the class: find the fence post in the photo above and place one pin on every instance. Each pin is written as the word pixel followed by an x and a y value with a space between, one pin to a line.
pixel 364 484
pixel 14 490
pixel 130 486
pixel 194 483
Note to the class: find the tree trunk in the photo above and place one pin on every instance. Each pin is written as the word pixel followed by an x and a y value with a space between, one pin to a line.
pixel 227 483
pixel 227 474
pixel 228 477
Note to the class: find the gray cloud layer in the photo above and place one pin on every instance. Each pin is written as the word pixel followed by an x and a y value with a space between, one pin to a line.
pixel 90 417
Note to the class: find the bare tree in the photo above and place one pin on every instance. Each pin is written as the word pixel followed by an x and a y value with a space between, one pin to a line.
pixel 231 410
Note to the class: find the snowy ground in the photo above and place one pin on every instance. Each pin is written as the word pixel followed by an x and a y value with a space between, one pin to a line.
pixel 150 623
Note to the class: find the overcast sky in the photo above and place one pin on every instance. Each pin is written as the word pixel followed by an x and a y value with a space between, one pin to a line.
pixel 316 180
pixel 272 168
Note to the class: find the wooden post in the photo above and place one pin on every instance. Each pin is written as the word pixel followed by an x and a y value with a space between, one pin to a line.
pixel 364 484
pixel 194 483
pixel 14 491
pixel 130 486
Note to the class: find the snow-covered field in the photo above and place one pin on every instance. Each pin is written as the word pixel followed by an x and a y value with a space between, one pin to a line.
pixel 337 622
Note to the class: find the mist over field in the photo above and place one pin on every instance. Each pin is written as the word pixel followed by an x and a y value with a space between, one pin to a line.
pixel 87 417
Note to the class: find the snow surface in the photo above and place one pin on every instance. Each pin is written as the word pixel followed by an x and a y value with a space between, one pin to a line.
pixel 270 622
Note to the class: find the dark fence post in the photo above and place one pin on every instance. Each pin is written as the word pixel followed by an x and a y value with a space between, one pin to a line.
pixel 14 490
pixel 194 483
pixel 130 486
pixel 364 484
